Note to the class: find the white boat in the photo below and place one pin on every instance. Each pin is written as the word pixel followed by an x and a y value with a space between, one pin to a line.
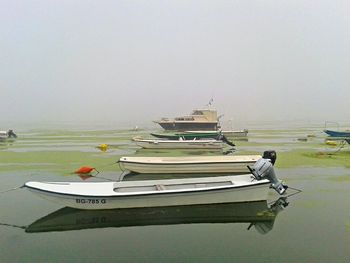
pixel 5 135
pixel 199 119
pixel 179 144
pixel 189 164
pixel 152 193
pixel 168 192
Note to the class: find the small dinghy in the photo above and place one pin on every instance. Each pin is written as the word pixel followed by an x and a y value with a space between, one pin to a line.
pixel 170 192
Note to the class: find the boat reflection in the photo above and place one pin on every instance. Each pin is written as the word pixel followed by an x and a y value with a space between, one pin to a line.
pixel 6 144
pixel 258 214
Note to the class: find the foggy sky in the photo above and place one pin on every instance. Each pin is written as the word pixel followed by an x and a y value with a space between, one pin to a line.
pixel 277 60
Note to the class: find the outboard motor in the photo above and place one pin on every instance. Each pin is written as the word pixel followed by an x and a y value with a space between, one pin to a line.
pixel 11 134
pixel 270 155
pixel 263 169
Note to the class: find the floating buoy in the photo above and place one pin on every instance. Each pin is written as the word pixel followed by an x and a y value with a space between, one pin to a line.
pixel 103 147
pixel 84 170
pixel 331 143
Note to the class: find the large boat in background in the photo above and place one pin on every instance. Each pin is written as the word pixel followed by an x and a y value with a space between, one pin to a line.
pixel 199 119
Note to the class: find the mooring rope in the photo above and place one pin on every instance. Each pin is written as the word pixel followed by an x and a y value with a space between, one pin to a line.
pixel 342 144
pixel 12 189
pixel 297 191
pixel 14 226
pixel 101 177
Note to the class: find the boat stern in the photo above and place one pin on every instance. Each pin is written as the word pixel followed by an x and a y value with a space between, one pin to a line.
pixel 263 169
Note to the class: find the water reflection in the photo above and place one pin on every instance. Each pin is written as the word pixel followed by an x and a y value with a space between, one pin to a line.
pixel 5 144
pixel 259 215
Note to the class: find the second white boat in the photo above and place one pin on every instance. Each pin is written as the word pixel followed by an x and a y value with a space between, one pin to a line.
pixel 189 164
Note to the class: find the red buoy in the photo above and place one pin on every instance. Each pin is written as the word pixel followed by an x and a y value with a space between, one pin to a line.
pixel 84 170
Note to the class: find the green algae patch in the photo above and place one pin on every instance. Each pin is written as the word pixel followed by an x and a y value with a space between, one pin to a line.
pixel 312 158
pixel 340 179
pixel 311 204
pixel 61 162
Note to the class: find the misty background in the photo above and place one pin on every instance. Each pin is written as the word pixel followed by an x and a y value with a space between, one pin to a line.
pixel 137 61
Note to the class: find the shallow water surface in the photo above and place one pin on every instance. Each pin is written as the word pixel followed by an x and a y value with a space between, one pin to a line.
pixel 311 226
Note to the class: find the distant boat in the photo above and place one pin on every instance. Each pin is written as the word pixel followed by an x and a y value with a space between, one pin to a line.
pixel 188 164
pixel 258 214
pixel 5 135
pixel 188 135
pixel 179 144
pixel 333 133
pixel 194 135
pixel 199 119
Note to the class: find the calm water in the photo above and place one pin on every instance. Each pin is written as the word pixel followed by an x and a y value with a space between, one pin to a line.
pixel 313 227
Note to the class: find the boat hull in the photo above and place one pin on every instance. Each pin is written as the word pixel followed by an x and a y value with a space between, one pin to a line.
pixel 186 166
pixel 257 191
pixel 158 144
pixel 187 136
pixel 337 133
